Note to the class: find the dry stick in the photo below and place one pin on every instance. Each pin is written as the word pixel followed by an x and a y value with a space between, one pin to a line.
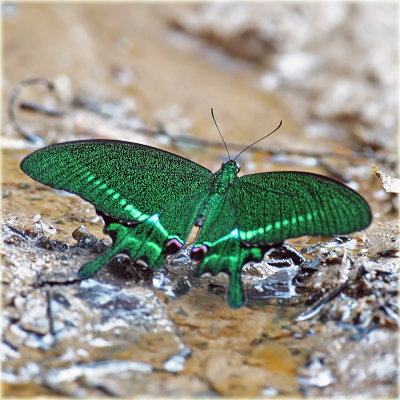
pixel 49 312
pixel 12 106
pixel 27 106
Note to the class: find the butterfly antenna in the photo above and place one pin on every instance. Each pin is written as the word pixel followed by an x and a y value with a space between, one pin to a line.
pixel 259 140
pixel 220 134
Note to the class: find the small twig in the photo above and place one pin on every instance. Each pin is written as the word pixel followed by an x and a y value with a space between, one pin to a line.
pixel 32 137
pixel 185 138
pixel 28 106
pixel 85 105
pixel 315 308
pixel 270 151
pixel 49 312
pixel 17 231
pixel 43 283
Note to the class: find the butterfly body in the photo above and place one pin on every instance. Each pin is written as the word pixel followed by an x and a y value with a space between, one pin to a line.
pixel 150 199
pixel 220 183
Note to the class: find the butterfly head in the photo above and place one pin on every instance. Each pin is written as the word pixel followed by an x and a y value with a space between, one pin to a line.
pixel 231 165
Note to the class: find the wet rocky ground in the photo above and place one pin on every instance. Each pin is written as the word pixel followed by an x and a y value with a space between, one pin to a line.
pixel 327 326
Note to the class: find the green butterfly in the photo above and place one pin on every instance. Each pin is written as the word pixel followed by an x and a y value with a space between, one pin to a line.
pixel 150 199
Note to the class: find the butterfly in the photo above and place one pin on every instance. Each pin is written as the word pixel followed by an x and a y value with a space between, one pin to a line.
pixel 150 199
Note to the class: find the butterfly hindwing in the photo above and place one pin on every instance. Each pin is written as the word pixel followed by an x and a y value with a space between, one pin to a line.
pixel 218 247
pixel 150 239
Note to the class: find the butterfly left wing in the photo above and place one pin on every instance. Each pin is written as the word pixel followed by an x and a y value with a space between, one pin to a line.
pixel 149 197
pixel 126 181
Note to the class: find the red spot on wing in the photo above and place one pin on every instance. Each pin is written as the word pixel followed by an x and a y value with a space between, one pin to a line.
pixel 198 253
pixel 173 246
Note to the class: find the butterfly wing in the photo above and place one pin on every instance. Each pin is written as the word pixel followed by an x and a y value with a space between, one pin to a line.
pixel 150 196
pixel 126 181
pixel 218 247
pixel 262 209
pixel 275 206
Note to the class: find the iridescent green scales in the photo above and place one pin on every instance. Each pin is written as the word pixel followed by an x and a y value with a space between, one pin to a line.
pixel 150 200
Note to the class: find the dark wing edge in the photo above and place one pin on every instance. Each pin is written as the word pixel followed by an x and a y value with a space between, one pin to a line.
pixel 111 141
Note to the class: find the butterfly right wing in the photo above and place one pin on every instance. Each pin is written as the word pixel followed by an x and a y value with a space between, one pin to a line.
pixel 263 209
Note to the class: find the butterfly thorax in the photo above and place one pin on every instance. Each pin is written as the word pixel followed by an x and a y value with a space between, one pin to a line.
pixel 224 177
pixel 222 180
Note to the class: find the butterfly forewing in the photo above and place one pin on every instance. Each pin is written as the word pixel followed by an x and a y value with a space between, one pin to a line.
pixel 275 206
pixel 126 181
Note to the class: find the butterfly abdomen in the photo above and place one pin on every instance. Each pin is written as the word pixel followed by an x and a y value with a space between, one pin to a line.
pixel 210 203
